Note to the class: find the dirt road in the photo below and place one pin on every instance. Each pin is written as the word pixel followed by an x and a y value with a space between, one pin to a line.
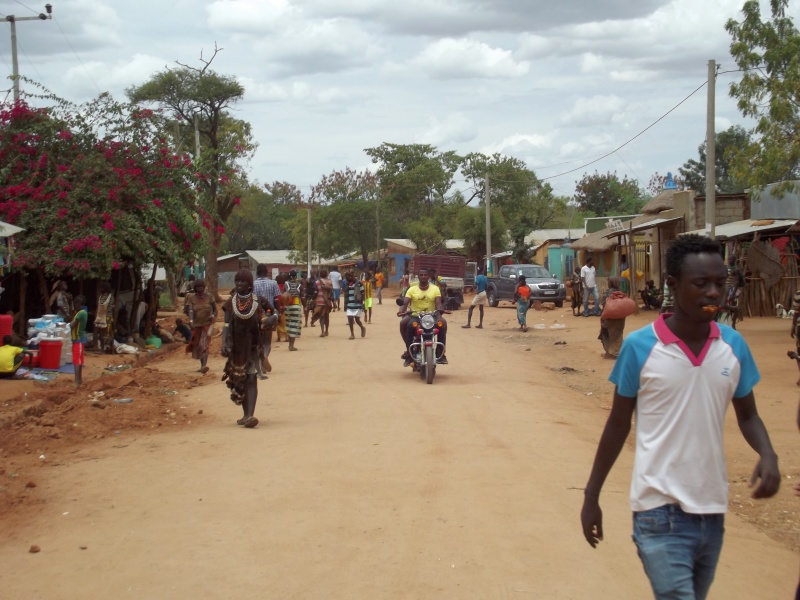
pixel 363 482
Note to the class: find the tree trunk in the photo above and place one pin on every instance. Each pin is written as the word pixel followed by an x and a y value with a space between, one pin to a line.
pixel 212 279
pixel 23 291
pixel 42 287
pixel 173 290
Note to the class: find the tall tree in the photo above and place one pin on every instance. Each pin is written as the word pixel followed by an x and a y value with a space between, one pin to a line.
pixel 414 179
pixel 727 143
pixel 607 194
pixel 768 52
pixel 202 97
pixel 261 221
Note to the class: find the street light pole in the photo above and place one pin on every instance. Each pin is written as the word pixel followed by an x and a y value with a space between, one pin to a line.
pixel 14 62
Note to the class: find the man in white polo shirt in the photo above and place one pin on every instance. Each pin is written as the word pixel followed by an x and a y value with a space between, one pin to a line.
pixel 589 282
pixel 679 375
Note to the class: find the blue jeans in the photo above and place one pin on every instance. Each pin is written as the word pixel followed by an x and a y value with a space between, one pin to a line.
pixel 679 550
pixel 590 291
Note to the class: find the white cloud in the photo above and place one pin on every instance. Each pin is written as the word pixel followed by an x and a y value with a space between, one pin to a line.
pixel 454 129
pixel 465 58
pixel 597 110
pixel 521 145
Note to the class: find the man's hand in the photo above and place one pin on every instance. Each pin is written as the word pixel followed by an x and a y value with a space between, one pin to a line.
pixel 225 350
pixel 767 471
pixel 401 313
pixel 592 521
pixel 791 333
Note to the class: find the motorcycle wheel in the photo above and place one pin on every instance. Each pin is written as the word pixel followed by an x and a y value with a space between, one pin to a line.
pixel 430 364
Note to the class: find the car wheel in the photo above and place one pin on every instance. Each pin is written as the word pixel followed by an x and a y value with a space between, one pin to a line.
pixel 560 304
pixel 491 298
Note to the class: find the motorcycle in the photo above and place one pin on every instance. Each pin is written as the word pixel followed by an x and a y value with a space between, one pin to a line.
pixel 426 345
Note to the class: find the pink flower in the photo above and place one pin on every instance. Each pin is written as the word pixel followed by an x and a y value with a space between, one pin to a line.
pixel 64 134
pixel 115 264
pixel 196 235
pixel 62 168
pixel 173 228
pixel 220 229
pixel 108 225
pixel 236 201
pixel 158 203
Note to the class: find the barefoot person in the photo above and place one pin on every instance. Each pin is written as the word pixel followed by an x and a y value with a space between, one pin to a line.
pixel 294 309
pixel 245 321
pixel 679 374
pixel 353 303
pixel 323 299
pixel 78 331
pixel 202 311
pixel 479 300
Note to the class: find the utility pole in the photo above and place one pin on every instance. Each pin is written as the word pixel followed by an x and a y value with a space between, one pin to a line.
pixel 196 138
pixel 14 62
pixel 488 226
pixel 711 138
pixel 378 233
pixel 309 238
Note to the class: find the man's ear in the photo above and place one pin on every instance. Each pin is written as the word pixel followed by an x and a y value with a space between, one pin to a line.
pixel 671 282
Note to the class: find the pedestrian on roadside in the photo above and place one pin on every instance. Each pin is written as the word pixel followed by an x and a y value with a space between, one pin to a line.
pixel 12 357
pixel 202 311
pixel 379 282
pixel 309 294
pixel 353 302
pixel 242 344
pixel 336 283
pixel 679 374
pixel 405 282
pixel 183 330
pixel 266 289
pixel 522 296
pixel 367 283
pixel 589 285
pixel 323 298
pixel 78 333
pixel 611 330
pixel 104 320
pixel 576 283
pixel 61 301
pixel 294 309
pixel 479 300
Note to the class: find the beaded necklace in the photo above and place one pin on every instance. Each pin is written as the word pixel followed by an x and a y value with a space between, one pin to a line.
pixel 244 307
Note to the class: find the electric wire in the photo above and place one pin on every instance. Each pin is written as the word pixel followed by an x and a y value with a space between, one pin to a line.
pixel 86 70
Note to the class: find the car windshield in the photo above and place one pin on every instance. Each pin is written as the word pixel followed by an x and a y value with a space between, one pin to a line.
pixel 534 272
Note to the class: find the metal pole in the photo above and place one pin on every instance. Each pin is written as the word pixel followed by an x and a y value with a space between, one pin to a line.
pixel 488 226
pixel 14 59
pixel 309 239
pixel 710 153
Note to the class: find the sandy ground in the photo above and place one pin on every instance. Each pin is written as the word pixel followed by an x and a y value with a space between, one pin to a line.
pixel 361 481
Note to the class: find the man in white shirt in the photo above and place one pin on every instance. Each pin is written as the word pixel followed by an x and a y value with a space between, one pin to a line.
pixel 589 287
pixel 336 284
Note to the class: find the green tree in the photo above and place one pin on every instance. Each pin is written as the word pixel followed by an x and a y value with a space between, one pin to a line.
pixel 727 143
pixel 768 52
pixel 261 222
pixel 414 178
pixel 201 98
pixel 607 195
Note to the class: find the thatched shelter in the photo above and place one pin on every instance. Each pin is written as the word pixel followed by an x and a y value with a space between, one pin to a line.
pixel 663 201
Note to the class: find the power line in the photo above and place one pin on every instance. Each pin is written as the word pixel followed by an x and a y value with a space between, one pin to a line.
pixel 89 75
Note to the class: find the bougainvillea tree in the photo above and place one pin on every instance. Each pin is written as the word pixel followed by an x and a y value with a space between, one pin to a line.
pixel 95 187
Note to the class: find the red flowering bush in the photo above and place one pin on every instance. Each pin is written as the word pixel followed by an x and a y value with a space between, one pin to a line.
pixel 90 201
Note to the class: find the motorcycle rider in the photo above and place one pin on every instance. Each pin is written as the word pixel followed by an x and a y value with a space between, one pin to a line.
pixel 421 298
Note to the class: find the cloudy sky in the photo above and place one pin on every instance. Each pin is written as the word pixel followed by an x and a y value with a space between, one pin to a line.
pixel 554 83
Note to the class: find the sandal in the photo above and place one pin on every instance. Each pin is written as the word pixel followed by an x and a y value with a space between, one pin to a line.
pixel 241 421
pixel 250 422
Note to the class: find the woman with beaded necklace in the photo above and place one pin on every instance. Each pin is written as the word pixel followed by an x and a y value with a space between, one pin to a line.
pixel 245 322
pixel 202 311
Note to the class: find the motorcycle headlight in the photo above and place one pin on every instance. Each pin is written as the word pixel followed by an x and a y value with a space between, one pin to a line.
pixel 428 321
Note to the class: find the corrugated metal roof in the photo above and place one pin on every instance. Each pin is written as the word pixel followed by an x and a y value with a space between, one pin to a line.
pixel 448 244
pixel 747 227
pixel 271 257
pixel 643 226
pixel 540 236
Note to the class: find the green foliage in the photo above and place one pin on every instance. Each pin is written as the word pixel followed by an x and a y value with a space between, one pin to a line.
pixel 727 143
pixel 260 222
pixel 768 51
pixel 414 178
pixel 607 195
pixel 94 186
pixel 471 225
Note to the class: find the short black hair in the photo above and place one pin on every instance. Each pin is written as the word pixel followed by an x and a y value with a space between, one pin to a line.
pixel 79 300
pixel 261 270
pixel 7 340
pixel 689 244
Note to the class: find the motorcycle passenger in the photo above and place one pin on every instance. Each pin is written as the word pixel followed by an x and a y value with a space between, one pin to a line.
pixel 423 297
